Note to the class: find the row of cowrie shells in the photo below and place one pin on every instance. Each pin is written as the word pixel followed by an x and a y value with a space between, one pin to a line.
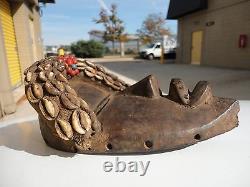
pixel 56 84
pixel 80 122
pixel 98 72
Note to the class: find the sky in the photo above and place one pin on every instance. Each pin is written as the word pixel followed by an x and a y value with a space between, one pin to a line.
pixel 67 21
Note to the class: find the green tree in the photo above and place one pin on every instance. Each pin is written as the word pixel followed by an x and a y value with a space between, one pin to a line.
pixel 87 49
pixel 153 27
pixel 112 24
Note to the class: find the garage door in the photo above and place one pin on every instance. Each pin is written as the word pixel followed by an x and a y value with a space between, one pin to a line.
pixel 10 43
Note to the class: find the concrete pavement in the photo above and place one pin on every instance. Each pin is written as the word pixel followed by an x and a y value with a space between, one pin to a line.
pixel 225 82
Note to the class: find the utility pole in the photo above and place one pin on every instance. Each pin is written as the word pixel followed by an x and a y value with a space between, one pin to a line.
pixel 122 48
pixel 162 50
pixel 164 39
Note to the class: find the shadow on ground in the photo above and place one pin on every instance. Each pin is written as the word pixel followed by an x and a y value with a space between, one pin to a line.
pixel 27 137
pixel 225 82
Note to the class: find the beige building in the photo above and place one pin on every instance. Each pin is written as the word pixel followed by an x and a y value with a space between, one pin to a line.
pixel 213 32
pixel 20 45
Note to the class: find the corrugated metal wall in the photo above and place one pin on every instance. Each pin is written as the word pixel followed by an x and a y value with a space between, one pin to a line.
pixel 10 43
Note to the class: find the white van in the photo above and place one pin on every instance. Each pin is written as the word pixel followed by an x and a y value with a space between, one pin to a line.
pixel 154 50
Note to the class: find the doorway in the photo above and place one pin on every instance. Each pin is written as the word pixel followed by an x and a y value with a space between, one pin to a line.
pixel 196 49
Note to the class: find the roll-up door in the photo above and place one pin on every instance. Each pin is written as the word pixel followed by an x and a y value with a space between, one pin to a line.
pixel 10 43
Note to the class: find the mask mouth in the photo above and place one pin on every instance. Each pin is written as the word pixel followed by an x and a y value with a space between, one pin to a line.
pixel 147 87
pixel 87 110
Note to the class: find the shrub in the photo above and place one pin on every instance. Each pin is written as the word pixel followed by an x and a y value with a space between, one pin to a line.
pixel 87 49
pixel 107 50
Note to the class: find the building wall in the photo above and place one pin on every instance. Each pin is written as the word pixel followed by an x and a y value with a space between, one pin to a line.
pixel 220 41
pixel 7 104
pixel 23 16
pixel 38 34
pixel 20 14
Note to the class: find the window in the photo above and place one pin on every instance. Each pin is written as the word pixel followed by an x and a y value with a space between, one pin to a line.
pixel 151 45
pixel 158 46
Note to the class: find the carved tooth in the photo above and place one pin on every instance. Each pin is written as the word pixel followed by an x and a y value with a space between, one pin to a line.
pixel 42 76
pixel 202 93
pixel 149 85
pixel 37 90
pixel 28 76
pixel 76 123
pixel 66 128
pixel 179 92
pixel 85 120
pixel 51 89
pixel 70 101
pixel 70 90
pixel 50 108
pixel 61 78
